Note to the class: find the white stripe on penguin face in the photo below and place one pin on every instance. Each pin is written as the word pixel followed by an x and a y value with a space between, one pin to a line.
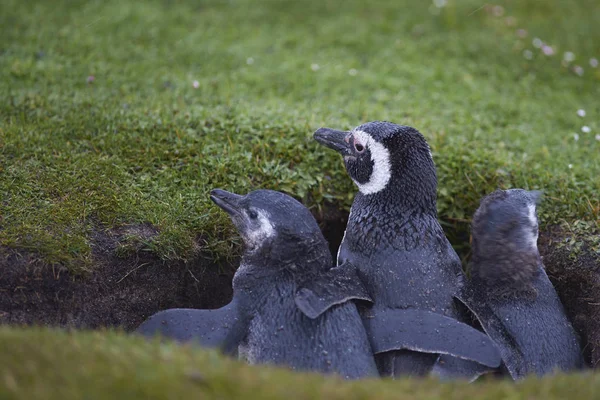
pixel 382 169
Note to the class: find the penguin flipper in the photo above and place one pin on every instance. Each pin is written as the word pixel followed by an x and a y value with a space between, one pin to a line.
pixel 236 334
pixel 336 286
pixel 451 368
pixel 512 357
pixel 207 328
pixel 428 332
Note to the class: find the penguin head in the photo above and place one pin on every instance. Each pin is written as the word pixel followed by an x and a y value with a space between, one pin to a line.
pixel 508 216
pixel 505 232
pixel 382 156
pixel 274 225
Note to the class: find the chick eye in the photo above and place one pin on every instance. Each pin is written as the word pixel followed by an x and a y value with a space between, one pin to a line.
pixel 252 214
pixel 359 147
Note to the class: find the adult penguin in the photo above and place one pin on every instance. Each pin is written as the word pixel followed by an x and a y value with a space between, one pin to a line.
pixel 393 236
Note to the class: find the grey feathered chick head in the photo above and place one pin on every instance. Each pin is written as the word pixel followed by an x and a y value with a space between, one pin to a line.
pixel 273 225
pixel 383 156
pixel 505 233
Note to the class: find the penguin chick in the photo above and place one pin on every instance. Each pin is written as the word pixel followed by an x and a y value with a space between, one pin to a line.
pixel 393 236
pixel 504 243
pixel 510 292
pixel 284 253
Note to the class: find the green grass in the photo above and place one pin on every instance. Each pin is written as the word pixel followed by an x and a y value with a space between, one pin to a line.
pixel 47 364
pixel 141 144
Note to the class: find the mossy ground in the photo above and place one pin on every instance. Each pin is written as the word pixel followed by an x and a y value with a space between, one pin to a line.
pixel 101 125
pixel 107 365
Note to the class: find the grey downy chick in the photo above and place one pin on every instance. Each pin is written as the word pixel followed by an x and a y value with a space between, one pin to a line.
pixel 293 310
pixel 510 293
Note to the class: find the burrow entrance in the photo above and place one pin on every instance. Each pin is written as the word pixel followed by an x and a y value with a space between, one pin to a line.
pixel 122 293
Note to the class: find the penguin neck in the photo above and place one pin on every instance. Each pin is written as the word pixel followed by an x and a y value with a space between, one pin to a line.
pixel 400 200
pixel 395 217
pixel 500 268
pixel 297 257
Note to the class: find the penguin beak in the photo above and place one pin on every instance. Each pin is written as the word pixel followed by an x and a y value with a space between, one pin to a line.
pixel 336 140
pixel 229 202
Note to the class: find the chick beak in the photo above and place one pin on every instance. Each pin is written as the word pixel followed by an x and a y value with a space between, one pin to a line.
pixel 229 202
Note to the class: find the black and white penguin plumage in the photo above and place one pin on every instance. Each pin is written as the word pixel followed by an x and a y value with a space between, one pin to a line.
pixel 393 236
pixel 293 308
pixel 510 293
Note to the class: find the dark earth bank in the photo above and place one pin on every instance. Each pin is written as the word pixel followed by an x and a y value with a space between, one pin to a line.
pixel 119 292
pixel 122 292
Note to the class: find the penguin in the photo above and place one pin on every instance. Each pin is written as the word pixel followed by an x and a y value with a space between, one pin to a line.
pixel 394 240
pixel 510 293
pixel 293 308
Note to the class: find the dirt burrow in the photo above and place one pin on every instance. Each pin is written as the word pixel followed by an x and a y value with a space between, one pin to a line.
pixel 118 293
pixel 122 293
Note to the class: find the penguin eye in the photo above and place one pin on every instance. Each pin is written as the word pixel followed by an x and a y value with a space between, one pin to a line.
pixel 359 147
pixel 252 214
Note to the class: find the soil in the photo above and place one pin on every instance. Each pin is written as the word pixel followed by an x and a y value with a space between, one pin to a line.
pixel 121 293
pixel 578 285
